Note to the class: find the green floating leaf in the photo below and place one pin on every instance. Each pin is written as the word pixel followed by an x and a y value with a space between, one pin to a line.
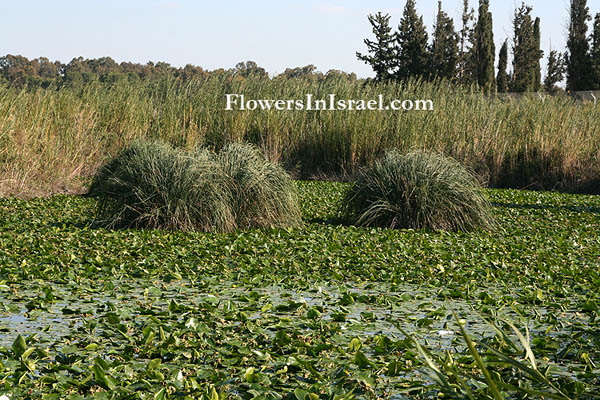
pixel 338 317
pixel 160 395
pixel 361 360
pixel 19 346
pixel 300 394
pixel 394 368
pixel 355 345
pixel 153 364
pixel 250 376
pixel 173 306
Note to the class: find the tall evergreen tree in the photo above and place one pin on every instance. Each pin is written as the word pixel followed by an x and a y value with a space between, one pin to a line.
pixel 555 71
pixel 578 56
pixel 444 49
pixel 525 52
pixel 484 48
pixel 465 63
pixel 381 52
pixel 412 51
pixel 595 54
pixel 502 77
pixel 537 69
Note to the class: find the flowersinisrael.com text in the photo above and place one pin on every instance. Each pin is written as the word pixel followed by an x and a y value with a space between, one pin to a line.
pixel 238 102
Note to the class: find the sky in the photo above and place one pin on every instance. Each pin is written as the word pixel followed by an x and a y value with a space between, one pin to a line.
pixel 219 34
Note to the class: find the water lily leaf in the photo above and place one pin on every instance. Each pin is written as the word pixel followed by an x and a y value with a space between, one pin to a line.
pixel 19 346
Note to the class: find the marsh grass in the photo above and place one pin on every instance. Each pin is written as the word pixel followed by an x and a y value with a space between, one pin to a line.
pixel 417 190
pixel 152 185
pixel 262 194
pixel 54 140
pixel 503 366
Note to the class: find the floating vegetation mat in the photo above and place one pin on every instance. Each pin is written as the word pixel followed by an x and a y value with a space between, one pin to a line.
pixel 323 311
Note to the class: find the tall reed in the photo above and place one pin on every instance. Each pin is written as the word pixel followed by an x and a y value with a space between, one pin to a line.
pixel 53 140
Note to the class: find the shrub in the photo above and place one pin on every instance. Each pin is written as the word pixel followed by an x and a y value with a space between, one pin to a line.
pixel 262 193
pixel 151 185
pixel 417 191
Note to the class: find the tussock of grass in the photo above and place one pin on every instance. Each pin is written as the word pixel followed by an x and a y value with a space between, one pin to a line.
pixel 417 191
pixel 262 193
pixel 151 185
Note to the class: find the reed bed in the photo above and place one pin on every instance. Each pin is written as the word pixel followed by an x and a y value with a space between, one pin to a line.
pixel 53 140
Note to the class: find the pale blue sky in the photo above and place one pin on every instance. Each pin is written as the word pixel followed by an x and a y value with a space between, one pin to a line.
pixel 214 34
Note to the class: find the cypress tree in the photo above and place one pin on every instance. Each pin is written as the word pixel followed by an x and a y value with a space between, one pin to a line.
pixel 444 49
pixel 381 52
pixel 578 56
pixel 466 71
pixel 502 78
pixel 555 71
pixel 484 49
pixel 595 54
pixel 525 55
pixel 537 69
pixel 412 44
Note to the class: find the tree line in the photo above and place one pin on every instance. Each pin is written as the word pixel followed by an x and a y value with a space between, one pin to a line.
pixel 467 54
pixel 40 72
pixel 464 54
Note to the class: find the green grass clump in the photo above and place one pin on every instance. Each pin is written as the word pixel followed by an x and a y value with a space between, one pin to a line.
pixel 262 193
pixel 418 191
pixel 151 185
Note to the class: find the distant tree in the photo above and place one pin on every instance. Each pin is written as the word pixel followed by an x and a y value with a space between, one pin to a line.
pixel 555 71
pixel 466 69
pixel 103 66
pixel 578 56
pixel 132 77
pixel 502 77
pixel 47 69
pixel 78 64
pixel 164 69
pixel 537 69
pixel 13 67
pixel 147 71
pixel 113 78
pixel 525 52
pixel 250 68
pixel 18 70
pixel 412 40
pixel 595 54
pixel 191 72
pixel 335 74
pixel 73 72
pixel 484 50
pixel 72 78
pixel 306 72
pixel 444 49
pixel 381 52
